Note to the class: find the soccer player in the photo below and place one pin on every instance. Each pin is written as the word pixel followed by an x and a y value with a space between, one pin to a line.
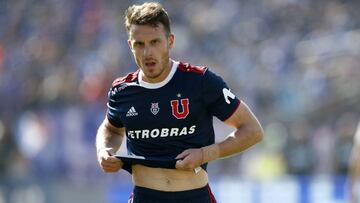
pixel 165 109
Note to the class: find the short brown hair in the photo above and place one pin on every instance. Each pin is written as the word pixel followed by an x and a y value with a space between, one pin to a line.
pixel 151 13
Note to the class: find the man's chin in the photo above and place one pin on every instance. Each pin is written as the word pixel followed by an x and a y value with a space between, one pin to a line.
pixel 153 76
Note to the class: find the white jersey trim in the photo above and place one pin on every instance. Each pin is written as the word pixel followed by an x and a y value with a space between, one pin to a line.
pixel 162 83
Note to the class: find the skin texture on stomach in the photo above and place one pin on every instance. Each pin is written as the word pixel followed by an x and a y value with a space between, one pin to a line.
pixel 168 179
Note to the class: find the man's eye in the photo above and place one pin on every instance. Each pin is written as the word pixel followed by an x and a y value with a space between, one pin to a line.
pixel 138 44
pixel 154 42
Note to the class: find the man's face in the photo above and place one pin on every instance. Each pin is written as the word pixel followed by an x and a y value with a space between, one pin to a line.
pixel 150 46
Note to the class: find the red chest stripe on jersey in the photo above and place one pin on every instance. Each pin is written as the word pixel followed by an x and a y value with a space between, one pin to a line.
pixel 190 68
pixel 128 78
pixel 175 108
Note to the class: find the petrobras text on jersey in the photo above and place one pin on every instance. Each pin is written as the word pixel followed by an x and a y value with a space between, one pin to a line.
pixel 163 132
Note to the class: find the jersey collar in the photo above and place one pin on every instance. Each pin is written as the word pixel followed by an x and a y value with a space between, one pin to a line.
pixel 162 83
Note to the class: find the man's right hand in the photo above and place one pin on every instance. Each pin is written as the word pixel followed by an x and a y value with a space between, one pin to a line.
pixel 108 162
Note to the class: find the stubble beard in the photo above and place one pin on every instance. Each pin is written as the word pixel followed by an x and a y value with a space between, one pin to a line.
pixel 164 63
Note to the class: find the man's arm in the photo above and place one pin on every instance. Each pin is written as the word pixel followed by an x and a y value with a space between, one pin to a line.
pixel 248 132
pixel 108 141
pixel 354 167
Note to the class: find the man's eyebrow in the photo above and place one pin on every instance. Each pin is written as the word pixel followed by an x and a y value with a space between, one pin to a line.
pixel 138 42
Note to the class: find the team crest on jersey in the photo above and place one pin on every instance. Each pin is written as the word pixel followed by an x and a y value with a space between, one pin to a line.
pixel 155 108
pixel 180 114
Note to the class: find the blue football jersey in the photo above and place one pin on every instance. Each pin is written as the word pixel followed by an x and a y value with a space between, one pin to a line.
pixel 166 118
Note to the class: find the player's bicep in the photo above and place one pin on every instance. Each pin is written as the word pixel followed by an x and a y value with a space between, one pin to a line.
pixel 243 116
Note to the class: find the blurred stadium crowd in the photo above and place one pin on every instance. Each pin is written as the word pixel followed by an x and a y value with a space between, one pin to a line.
pixel 295 62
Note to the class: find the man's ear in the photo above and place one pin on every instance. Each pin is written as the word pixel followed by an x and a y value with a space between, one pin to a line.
pixel 171 39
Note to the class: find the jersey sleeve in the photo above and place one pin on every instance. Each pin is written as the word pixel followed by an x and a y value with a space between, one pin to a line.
pixel 217 96
pixel 113 113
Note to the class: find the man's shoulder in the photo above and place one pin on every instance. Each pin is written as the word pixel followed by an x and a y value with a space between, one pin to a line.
pixel 121 83
pixel 189 68
pixel 128 78
pixel 202 73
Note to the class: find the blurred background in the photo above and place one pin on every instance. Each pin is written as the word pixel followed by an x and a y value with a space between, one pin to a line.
pixel 294 62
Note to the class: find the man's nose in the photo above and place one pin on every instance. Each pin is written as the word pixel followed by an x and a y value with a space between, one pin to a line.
pixel 148 51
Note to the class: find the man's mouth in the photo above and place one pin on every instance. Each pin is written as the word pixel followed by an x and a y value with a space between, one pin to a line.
pixel 150 64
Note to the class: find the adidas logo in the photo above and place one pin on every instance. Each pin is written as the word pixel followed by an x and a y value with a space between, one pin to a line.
pixel 131 112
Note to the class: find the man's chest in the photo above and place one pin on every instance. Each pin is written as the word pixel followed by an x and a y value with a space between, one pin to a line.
pixel 147 109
